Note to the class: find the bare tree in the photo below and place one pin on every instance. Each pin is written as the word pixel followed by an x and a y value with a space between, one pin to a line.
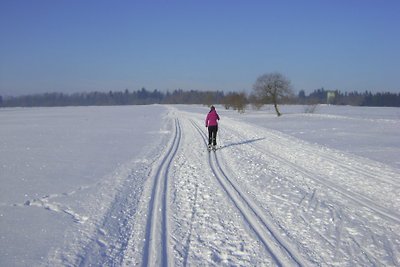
pixel 272 87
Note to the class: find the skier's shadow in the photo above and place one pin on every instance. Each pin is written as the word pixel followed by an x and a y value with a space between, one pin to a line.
pixel 241 143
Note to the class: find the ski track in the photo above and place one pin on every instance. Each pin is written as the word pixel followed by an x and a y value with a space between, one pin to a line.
pixel 353 207
pixel 115 237
pixel 156 248
pixel 354 196
pixel 282 252
pixel 208 228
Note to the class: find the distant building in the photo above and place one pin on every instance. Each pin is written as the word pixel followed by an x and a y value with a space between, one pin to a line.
pixel 330 97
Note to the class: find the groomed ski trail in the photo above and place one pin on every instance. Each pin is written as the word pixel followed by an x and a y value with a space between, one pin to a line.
pixel 281 251
pixel 335 194
pixel 337 163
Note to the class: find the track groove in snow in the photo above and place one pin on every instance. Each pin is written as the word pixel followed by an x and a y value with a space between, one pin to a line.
pixel 281 251
pixel 354 196
pixel 350 217
pixel 156 248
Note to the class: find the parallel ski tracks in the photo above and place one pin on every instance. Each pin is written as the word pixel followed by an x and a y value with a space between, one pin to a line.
pixel 157 245
pixel 283 253
pixel 353 196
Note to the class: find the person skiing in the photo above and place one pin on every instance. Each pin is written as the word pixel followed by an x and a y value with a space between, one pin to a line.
pixel 212 124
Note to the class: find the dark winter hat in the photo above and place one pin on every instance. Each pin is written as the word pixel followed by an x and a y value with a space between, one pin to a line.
pixel 212 107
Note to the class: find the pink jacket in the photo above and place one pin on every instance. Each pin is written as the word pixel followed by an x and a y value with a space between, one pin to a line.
pixel 212 118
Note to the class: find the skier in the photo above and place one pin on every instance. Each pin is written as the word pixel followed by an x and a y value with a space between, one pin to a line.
pixel 212 124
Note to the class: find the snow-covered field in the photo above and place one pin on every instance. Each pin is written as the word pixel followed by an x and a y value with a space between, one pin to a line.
pixel 134 185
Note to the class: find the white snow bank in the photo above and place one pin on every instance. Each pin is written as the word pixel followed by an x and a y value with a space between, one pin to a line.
pixel 79 184
pixel 62 166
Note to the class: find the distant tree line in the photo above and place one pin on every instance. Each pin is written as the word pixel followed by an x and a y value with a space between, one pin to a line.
pixel 367 98
pixel 140 97
pixel 234 100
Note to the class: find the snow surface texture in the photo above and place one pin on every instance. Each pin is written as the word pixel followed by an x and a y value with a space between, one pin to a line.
pixel 127 186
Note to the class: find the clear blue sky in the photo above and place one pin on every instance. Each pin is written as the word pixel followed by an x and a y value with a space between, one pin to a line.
pixel 70 45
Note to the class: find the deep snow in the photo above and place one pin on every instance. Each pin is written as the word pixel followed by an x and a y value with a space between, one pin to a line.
pixel 135 186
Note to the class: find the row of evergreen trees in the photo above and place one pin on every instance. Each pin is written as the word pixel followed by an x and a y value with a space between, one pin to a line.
pixel 367 98
pixel 236 100
pixel 140 97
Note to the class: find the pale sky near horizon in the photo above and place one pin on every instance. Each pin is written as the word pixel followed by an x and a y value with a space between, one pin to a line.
pixel 73 46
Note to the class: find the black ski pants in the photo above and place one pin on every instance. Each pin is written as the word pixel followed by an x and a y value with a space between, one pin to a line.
pixel 212 135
